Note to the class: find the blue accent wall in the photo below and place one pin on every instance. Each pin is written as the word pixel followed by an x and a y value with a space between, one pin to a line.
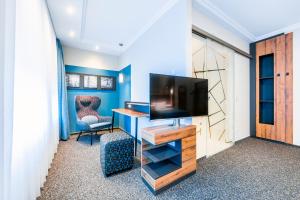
pixel 125 95
pixel 109 99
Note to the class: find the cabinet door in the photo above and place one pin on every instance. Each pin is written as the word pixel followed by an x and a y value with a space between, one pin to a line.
pixel 280 88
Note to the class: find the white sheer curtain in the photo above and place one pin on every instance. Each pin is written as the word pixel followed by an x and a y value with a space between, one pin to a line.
pixel 7 38
pixel 35 101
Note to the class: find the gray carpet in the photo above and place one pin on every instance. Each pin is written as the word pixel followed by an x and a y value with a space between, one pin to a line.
pixel 251 169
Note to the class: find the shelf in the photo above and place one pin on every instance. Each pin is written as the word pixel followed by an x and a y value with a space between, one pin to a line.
pixel 157 170
pixel 266 101
pixel 151 146
pixel 267 77
pixel 160 153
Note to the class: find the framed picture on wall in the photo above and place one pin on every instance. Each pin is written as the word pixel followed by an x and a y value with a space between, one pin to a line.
pixel 90 81
pixel 73 80
pixel 107 83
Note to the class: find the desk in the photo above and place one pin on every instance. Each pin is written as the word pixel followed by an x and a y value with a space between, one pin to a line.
pixel 130 113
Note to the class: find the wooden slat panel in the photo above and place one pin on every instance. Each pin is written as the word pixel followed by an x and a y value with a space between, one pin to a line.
pixel 289 88
pixel 280 88
pixel 270 48
pixel 189 153
pixel 260 50
pixel 263 130
pixel 270 132
pixel 188 142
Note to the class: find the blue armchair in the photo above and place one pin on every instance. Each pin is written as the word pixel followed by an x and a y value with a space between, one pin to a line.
pixel 88 119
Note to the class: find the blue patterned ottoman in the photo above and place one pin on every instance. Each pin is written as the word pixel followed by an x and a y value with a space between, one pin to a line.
pixel 116 152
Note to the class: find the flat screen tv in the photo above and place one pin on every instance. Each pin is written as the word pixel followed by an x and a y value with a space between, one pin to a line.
pixel 177 97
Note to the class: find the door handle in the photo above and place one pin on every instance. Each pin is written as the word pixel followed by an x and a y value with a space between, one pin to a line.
pixel 287 73
pixel 278 74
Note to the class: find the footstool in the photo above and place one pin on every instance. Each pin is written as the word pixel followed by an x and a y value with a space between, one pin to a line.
pixel 116 152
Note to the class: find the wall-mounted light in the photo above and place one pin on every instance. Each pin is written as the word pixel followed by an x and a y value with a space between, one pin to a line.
pixel 121 78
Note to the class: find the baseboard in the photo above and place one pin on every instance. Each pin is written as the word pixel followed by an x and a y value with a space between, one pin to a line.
pixel 241 140
pixel 274 141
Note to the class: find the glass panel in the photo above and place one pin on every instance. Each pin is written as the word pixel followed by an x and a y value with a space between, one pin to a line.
pixel 215 63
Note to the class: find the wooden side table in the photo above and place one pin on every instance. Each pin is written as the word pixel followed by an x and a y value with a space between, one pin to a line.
pixel 168 155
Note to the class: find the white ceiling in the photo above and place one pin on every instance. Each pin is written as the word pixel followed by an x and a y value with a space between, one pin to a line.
pixel 100 25
pixel 256 19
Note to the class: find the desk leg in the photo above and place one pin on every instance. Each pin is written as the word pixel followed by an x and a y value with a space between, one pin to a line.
pixel 136 135
pixel 113 120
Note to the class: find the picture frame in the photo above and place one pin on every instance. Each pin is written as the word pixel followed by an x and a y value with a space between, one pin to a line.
pixel 107 83
pixel 90 81
pixel 73 80
pixel 79 81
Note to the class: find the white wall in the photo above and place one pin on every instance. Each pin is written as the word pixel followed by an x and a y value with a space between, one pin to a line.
pixel 162 49
pixel 84 58
pixel 213 27
pixel 296 87
pixel 165 49
pixel 35 121
pixel 242 97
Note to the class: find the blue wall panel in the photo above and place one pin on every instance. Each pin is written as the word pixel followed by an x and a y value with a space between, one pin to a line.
pixel 125 95
pixel 109 99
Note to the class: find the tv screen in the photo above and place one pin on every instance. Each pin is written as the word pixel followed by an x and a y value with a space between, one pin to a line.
pixel 175 96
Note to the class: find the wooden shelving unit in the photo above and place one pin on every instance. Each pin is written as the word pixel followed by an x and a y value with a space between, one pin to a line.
pixel 168 155
pixel 274 88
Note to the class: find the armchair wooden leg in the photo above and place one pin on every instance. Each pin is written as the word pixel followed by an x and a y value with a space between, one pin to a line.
pixel 79 135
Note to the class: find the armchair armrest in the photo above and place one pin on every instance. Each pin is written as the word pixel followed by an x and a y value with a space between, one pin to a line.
pixel 81 125
pixel 105 119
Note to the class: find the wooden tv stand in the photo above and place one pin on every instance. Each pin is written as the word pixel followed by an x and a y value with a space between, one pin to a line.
pixel 168 155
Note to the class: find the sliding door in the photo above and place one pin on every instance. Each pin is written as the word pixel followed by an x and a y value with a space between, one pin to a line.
pixel 214 62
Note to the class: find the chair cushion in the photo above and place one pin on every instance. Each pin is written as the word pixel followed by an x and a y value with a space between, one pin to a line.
pixel 90 119
pixel 100 124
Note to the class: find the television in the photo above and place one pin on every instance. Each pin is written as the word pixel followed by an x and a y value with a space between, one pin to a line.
pixel 176 97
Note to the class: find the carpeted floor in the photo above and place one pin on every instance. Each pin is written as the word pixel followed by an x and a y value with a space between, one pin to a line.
pixel 251 169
